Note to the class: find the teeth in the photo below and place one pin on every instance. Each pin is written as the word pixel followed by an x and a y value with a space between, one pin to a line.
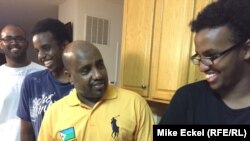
pixel 210 75
pixel 46 63
pixel 14 49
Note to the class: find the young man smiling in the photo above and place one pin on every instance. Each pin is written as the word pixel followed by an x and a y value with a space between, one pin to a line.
pixel 222 45
pixel 41 89
pixel 14 45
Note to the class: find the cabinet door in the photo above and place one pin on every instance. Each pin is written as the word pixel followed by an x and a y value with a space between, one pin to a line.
pixel 171 47
pixel 194 71
pixel 136 45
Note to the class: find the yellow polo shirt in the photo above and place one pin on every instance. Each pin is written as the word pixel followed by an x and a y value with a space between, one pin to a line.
pixel 121 115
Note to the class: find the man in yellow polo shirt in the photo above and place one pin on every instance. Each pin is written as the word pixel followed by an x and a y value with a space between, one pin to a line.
pixel 94 110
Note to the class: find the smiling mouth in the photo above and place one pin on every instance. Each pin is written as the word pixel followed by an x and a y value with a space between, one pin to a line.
pixel 211 77
pixel 99 86
pixel 14 49
pixel 47 63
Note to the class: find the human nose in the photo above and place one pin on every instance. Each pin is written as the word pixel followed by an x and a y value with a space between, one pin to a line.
pixel 203 67
pixel 13 41
pixel 96 73
pixel 41 55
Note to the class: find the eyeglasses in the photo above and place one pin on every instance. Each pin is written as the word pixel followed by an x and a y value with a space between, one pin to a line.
pixel 10 39
pixel 209 60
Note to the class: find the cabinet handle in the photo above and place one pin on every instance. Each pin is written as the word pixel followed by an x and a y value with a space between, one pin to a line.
pixel 143 87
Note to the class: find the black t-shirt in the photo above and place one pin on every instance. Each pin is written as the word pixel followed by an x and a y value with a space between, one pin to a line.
pixel 197 103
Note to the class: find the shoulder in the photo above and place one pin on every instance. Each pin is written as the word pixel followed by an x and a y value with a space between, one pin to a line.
pixel 2 67
pixel 66 101
pixel 193 92
pixel 128 95
pixel 125 92
pixel 57 107
pixel 37 74
pixel 37 66
pixel 196 87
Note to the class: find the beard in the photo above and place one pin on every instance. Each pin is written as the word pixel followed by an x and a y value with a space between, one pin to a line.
pixel 16 56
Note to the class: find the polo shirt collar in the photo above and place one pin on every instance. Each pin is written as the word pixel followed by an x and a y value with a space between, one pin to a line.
pixel 111 93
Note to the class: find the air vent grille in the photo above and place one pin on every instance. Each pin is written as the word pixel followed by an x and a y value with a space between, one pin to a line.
pixel 97 30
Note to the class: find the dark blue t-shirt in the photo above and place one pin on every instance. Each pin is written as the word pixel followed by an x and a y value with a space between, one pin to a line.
pixel 39 90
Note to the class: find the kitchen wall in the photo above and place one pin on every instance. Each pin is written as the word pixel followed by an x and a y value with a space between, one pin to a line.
pixel 75 11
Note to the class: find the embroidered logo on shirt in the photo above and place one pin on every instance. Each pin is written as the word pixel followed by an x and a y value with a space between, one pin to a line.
pixel 68 134
pixel 114 126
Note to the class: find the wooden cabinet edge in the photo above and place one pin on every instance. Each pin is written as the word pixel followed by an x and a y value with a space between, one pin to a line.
pixel 157 100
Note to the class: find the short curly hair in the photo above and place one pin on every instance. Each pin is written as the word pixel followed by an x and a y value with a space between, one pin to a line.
pixel 56 27
pixel 235 14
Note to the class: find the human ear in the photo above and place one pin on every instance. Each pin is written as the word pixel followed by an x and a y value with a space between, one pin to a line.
pixel 247 50
pixel 65 43
pixel 1 45
pixel 68 75
pixel 27 43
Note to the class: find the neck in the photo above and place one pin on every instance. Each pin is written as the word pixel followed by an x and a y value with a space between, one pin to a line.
pixel 17 63
pixel 60 76
pixel 237 96
pixel 88 101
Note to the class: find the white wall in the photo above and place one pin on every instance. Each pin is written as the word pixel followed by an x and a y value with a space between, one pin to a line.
pixel 76 10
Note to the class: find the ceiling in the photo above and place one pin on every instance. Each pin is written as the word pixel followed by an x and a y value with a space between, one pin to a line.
pixel 24 12
pixel 28 2
pixel 27 12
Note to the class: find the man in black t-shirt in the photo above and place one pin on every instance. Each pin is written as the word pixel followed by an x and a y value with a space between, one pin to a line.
pixel 222 46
